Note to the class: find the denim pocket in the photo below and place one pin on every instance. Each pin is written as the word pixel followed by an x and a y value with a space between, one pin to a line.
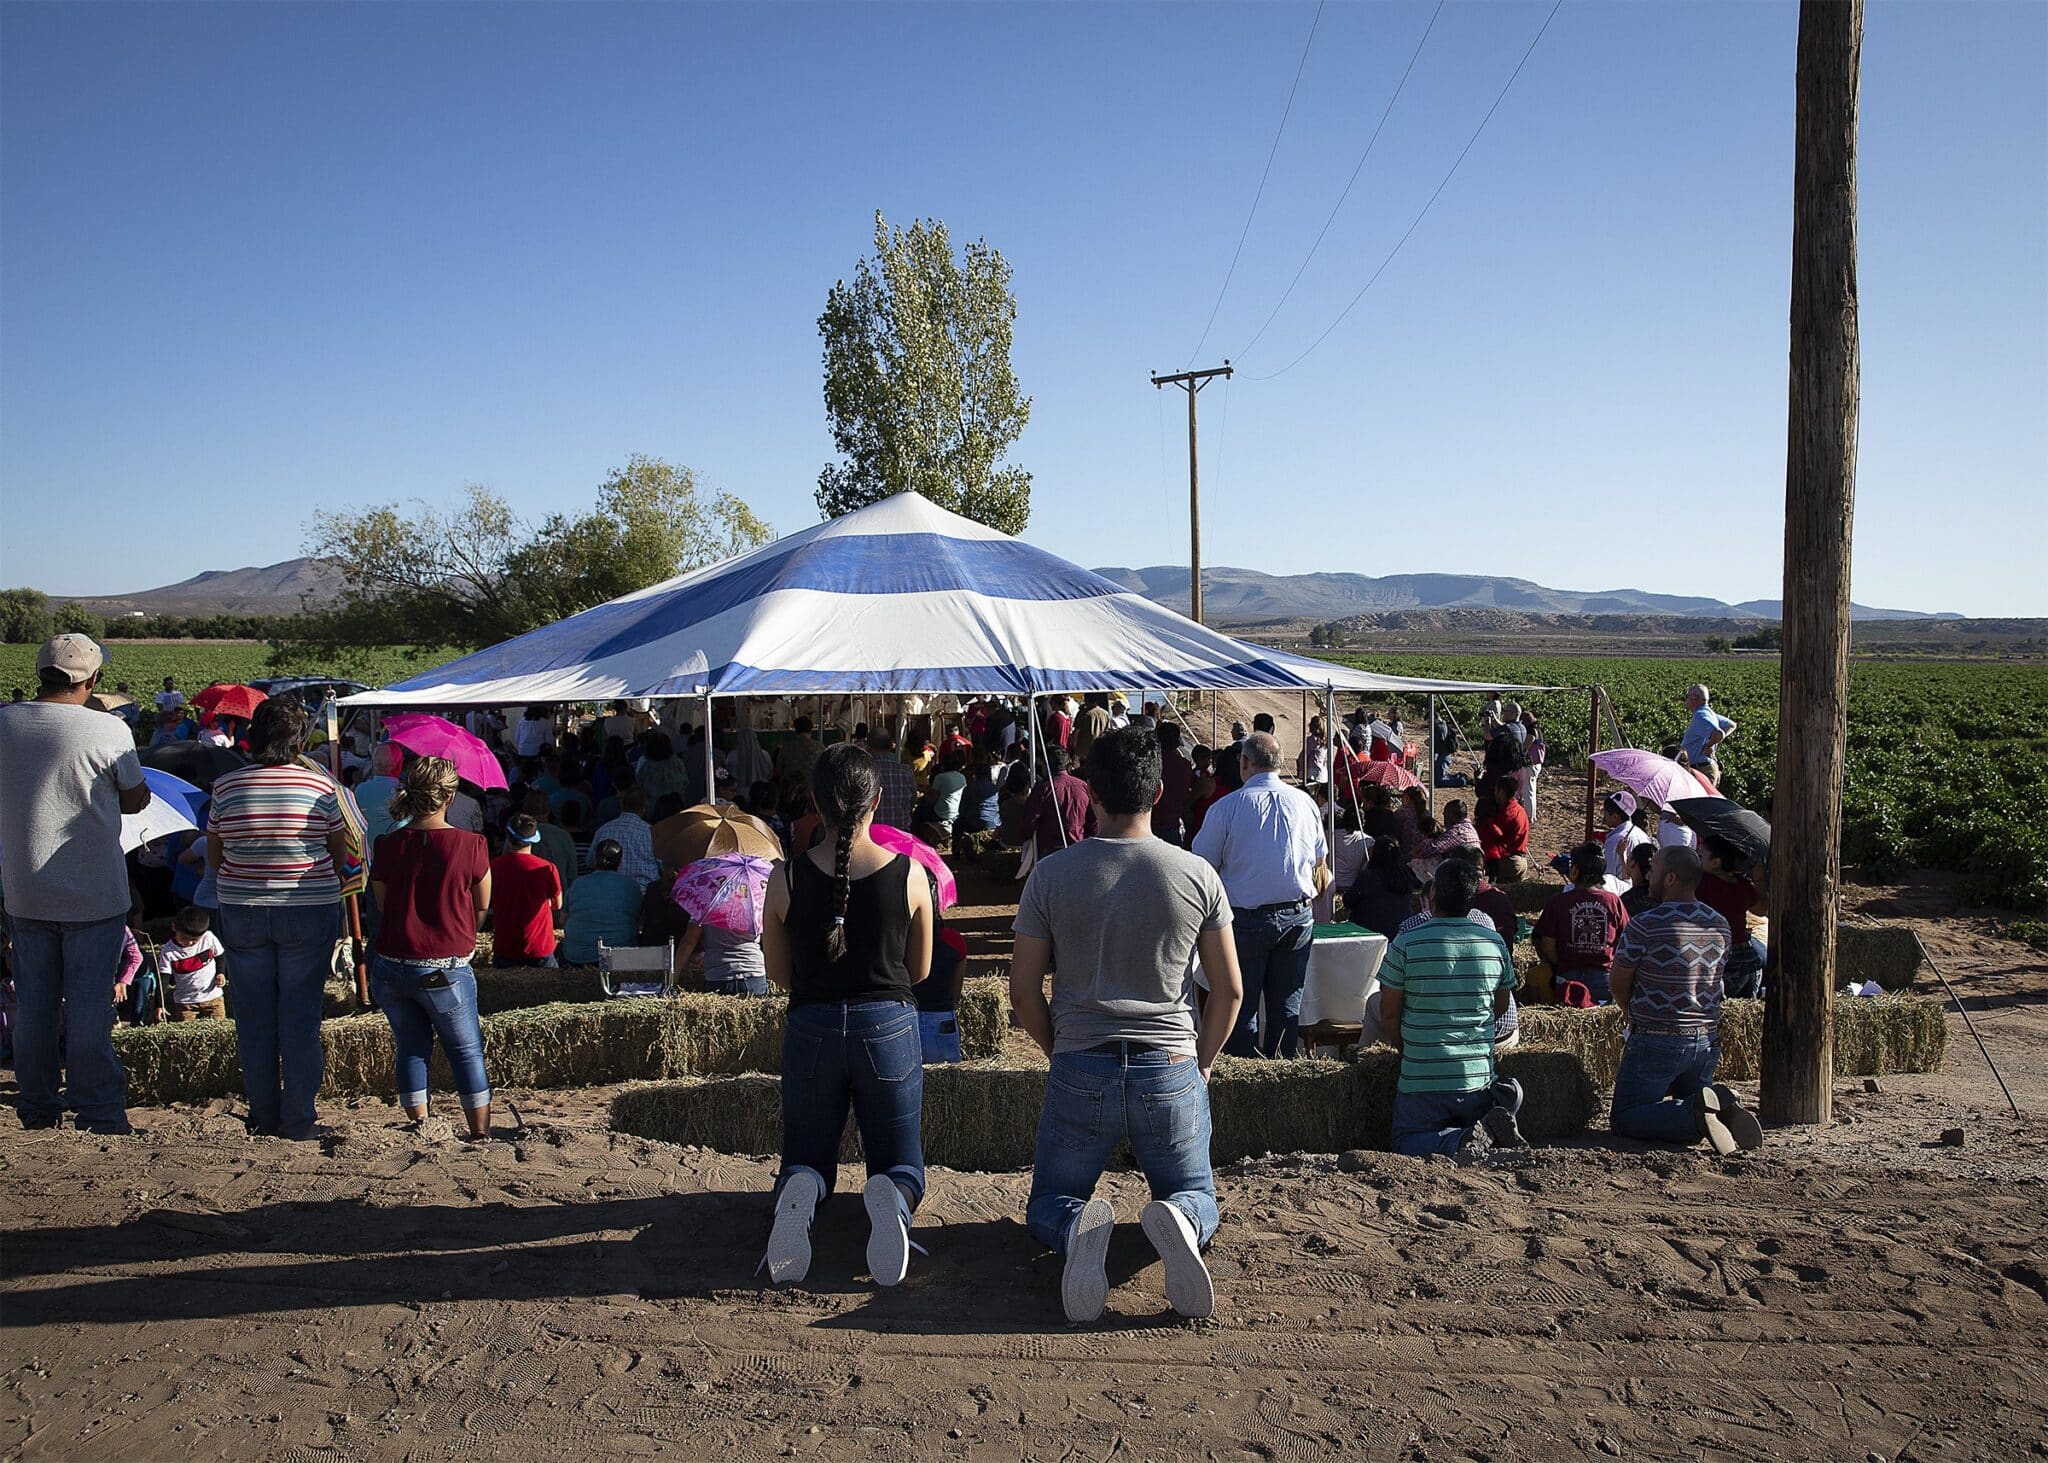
pixel 894 1055
pixel 799 1054
pixel 1175 1113
pixel 1075 1114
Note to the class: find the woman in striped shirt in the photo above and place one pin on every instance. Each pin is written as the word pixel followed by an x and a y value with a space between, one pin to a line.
pixel 275 834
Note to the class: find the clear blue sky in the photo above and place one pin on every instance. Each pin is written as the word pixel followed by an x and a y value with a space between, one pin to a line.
pixel 258 258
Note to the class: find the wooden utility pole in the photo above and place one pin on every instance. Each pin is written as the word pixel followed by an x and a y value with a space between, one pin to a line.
pixel 1820 501
pixel 1192 382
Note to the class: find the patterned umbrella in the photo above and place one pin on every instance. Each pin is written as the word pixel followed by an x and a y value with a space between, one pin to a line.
pixel 918 851
pixel 1388 774
pixel 724 892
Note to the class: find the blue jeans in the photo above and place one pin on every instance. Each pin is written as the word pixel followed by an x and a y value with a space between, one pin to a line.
pixel 71 963
pixel 862 1054
pixel 1743 974
pixel 1437 1122
pixel 1655 1085
pixel 939 1034
pixel 738 985
pixel 421 1002
pixel 279 956
pixel 1272 955
pixel 1096 1100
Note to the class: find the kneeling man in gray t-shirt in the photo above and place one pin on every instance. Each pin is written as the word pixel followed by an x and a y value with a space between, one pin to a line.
pixel 1120 920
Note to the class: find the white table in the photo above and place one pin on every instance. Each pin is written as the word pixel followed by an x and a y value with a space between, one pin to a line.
pixel 1342 974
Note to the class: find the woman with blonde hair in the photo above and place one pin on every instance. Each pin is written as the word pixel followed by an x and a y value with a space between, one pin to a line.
pixel 432 882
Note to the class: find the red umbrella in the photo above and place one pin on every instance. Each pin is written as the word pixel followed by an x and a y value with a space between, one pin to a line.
pixel 1388 774
pixel 224 698
pixel 430 736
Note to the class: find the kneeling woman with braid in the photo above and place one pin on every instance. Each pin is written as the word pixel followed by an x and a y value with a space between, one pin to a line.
pixel 847 932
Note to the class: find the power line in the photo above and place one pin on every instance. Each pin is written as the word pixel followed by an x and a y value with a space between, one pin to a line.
pixel 1339 205
pixel 1271 152
pixel 1425 207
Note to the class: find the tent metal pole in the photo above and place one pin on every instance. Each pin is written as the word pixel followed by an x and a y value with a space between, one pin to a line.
pixel 1432 754
pixel 710 757
pixel 1330 788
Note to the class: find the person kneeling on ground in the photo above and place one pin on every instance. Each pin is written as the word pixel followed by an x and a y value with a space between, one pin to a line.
pixel 1121 918
pixel 1576 933
pixel 1667 977
pixel 1443 984
pixel 848 933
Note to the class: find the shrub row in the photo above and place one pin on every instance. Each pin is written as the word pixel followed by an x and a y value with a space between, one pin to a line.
pixel 984 1116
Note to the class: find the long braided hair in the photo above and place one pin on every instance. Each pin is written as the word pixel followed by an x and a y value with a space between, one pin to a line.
pixel 844 786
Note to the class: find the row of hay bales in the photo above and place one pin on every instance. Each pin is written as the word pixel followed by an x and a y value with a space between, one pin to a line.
pixel 562 1044
pixel 1874 1036
pixel 984 1116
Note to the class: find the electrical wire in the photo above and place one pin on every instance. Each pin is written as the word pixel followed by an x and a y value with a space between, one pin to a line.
pixel 1337 207
pixel 1271 152
pixel 1425 207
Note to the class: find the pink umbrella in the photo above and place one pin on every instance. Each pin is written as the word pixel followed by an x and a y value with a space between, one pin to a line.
pixel 897 841
pixel 1388 774
pixel 724 892
pixel 432 737
pixel 1659 779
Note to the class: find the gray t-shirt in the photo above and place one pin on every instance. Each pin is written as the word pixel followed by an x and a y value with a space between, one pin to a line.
pixel 730 956
pixel 1123 916
pixel 60 813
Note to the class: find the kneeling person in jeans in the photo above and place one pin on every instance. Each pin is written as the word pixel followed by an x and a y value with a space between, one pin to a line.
pixel 1443 985
pixel 1120 919
pixel 1668 973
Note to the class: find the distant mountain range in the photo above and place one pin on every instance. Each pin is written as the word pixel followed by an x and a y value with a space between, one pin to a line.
pixel 274 589
pixel 1230 596
pixel 1242 596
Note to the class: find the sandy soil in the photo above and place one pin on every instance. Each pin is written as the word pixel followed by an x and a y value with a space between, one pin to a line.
pixel 1862 1290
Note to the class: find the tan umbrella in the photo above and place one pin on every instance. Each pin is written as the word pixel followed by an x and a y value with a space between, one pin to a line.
pixel 108 701
pixel 705 831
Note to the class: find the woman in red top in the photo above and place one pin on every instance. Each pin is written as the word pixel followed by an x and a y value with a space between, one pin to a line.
pixel 432 882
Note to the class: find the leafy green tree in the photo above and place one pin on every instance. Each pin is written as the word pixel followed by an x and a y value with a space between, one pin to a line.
pixel 24 616
pixel 474 574
pixel 73 618
pixel 918 383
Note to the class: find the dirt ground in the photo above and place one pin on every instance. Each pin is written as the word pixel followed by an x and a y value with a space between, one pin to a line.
pixel 1859 1291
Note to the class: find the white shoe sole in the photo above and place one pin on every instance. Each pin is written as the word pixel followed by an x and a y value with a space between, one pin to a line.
pixel 1189 1290
pixel 789 1239
pixel 1084 1283
pixel 888 1231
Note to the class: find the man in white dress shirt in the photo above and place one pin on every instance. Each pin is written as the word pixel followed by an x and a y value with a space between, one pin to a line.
pixel 1266 840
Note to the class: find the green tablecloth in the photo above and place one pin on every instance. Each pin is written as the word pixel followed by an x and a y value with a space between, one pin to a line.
pixel 1342 930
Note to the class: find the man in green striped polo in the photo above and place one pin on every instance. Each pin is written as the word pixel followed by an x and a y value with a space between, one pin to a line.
pixel 1442 985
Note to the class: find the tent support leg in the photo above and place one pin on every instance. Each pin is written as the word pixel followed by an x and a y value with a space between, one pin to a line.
pixel 1592 772
pixel 1329 785
pixel 710 756
pixel 1432 754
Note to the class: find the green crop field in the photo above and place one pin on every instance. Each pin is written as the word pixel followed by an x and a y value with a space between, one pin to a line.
pixel 1945 761
pixel 196 663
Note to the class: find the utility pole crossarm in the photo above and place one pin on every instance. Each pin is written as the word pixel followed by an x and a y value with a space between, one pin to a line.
pixel 1192 382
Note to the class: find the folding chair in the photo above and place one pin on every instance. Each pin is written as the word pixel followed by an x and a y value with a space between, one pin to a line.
pixel 638 961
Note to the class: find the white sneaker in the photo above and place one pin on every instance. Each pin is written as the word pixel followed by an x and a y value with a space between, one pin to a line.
pixel 789 1240
pixel 1189 1290
pixel 1084 1283
pixel 889 1243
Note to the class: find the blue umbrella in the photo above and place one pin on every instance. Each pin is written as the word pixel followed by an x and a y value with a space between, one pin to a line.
pixel 175 806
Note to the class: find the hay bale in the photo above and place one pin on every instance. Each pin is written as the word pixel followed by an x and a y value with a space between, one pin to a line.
pixel 515 987
pixel 181 1061
pixel 1528 896
pixel 1873 1037
pixel 983 1116
pixel 1887 954
pixel 710 1034
pixel 984 1017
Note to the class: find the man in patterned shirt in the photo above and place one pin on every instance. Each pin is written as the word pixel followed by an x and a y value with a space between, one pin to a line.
pixel 1442 986
pixel 1667 977
pixel 899 783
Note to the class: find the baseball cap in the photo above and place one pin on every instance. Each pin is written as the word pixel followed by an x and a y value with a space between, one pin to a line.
pixel 1623 803
pixel 78 656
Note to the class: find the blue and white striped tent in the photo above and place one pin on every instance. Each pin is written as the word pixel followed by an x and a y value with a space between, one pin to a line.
pixel 899 597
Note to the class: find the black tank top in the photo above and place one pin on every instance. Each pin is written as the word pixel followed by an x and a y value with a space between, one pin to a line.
pixel 877 927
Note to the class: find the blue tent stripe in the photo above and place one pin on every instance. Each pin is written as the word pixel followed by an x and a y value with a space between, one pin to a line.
pixel 735 679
